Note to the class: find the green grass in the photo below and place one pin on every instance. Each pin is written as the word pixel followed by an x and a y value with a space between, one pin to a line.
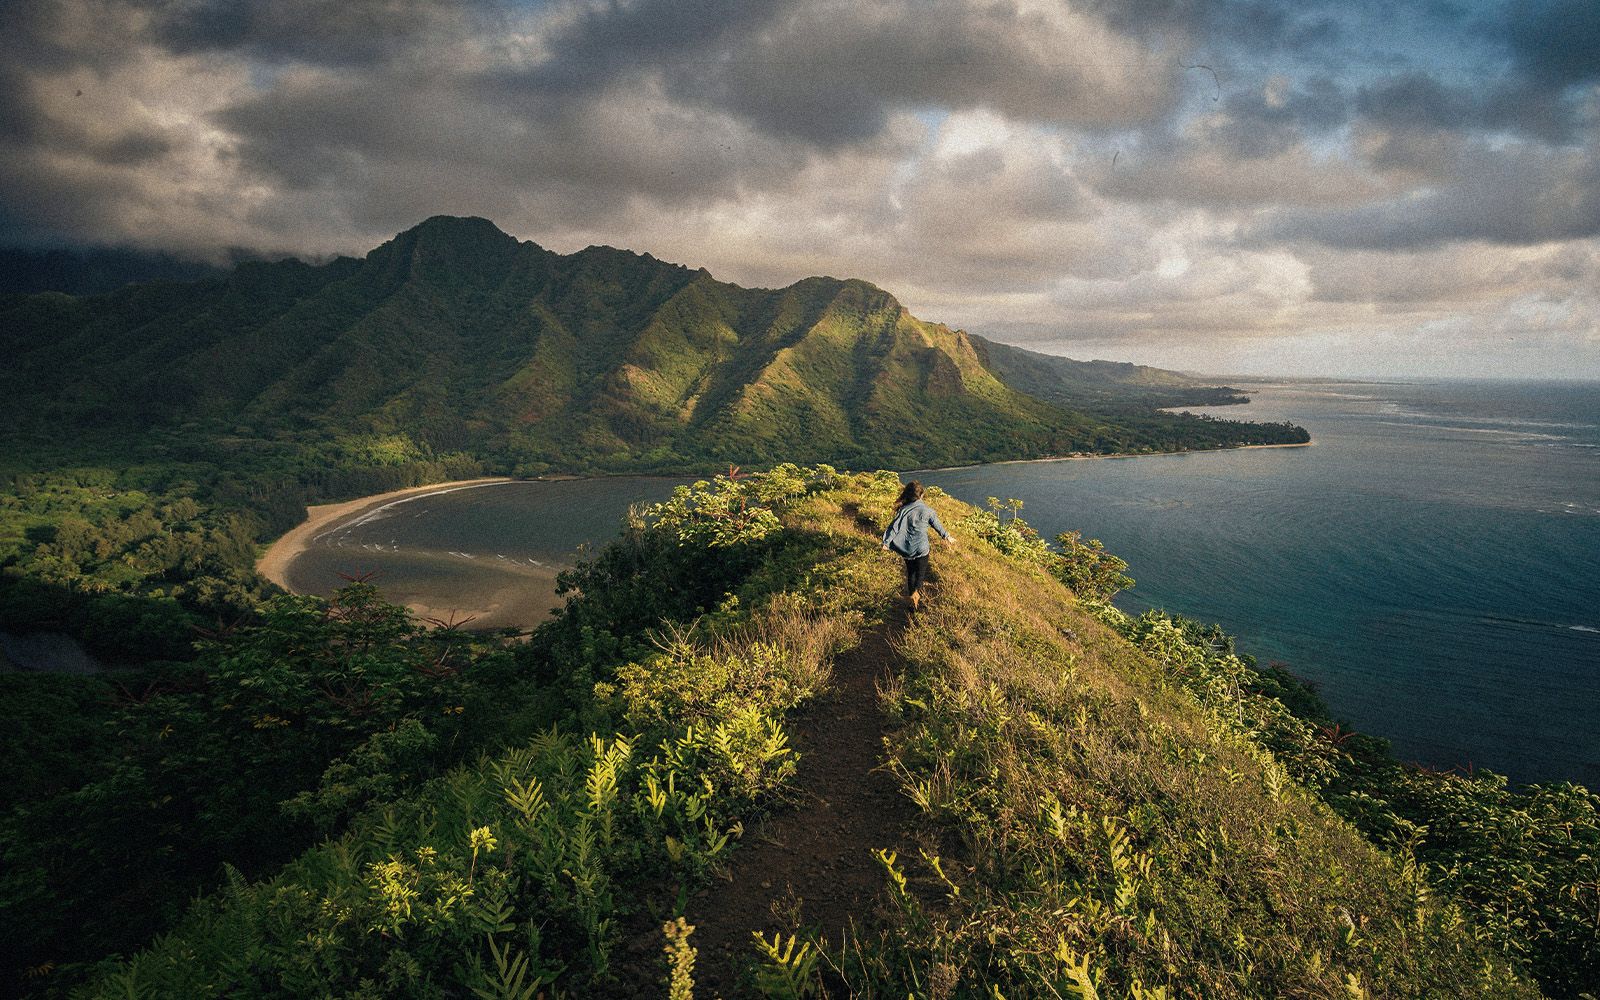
pixel 1091 826
pixel 1107 807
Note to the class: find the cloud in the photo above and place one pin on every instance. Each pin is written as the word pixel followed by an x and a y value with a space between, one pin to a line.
pixel 1556 42
pixel 1445 278
pixel 345 33
pixel 1211 172
pixel 1513 105
pixel 1139 173
pixel 833 72
pixel 1495 192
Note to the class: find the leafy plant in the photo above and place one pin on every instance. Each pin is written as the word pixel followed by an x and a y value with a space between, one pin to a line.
pixel 788 967
pixel 680 959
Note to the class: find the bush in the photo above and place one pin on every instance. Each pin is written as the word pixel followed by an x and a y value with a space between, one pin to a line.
pixel 1085 567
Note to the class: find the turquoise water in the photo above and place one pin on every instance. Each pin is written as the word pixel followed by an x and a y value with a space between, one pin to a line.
pixel 1429 562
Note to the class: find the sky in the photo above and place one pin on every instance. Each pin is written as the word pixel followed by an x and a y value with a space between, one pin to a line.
pixel 1264 186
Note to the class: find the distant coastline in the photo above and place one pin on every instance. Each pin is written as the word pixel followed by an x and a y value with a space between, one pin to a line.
pixel 1120 454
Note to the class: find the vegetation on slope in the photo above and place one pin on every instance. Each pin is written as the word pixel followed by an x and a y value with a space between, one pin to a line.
pixel 1108 383
pixel 131 557
pixel 463 339
pixel 1514 872
pixel 159 431
pixel 1107 807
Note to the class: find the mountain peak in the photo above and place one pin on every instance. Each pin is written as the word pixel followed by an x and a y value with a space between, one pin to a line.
pixel 446 247
pixel 458 228
pixel 605 358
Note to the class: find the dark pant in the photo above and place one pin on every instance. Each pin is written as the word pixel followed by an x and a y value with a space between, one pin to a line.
pixel 916 573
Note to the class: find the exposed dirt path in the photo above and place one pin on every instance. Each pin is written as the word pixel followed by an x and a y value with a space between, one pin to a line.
pixel 812 865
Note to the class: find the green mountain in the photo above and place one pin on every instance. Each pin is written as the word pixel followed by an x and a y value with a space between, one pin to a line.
pixel 91 271
pixel 1112 385
pixel 461 338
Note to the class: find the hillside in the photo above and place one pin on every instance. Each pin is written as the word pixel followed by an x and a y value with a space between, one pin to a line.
pixel 456 337
pixel 157 433
pixel 91 272
pixel 1078 804
pixel 1112 385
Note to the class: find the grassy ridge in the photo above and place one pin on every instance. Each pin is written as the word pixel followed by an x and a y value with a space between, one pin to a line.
pixel 1104 832
pixel 1108 807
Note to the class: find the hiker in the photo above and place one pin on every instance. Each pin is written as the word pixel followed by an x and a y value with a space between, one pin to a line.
pixel 907 537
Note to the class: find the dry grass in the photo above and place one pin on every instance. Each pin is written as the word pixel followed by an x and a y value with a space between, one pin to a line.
pixel 1100 824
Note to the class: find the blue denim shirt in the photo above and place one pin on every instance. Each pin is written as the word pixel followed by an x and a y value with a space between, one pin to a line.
pixel 907 534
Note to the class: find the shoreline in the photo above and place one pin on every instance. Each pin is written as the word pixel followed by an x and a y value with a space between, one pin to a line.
pixel 1116 455
pixel 274 562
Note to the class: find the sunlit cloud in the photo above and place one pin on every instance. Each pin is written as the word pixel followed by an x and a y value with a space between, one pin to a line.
pixel 1293 187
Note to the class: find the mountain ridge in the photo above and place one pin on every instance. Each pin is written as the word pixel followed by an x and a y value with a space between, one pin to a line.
pixel 461 337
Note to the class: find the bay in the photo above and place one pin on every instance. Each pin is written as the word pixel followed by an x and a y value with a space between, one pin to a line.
pixel 486 556
pixel 1429 562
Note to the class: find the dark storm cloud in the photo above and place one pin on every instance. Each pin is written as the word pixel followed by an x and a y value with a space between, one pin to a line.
pixel 1417 98
pixel 1513 105
pixel 27 120
pixel 832 73
pixel 1554 50
pixel 20 119
pixel 1512 197
pixel 332 32
pixel 31 38
pixel 1556 42
pixel 1268 121
pixel 325 131
pixel 1225 26
pixel 607 43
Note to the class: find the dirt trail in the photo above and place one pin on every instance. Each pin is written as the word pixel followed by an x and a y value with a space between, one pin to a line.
pixel 815 857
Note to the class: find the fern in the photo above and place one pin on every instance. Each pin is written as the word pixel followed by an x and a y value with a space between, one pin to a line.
pixel 511 979
pixel 788 968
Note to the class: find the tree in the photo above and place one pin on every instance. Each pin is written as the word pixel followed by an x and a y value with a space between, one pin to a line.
pixel 1088 569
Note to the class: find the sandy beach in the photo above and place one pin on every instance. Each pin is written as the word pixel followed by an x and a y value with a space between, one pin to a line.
pixel 274 563
pixel 521 599
pixel 491 594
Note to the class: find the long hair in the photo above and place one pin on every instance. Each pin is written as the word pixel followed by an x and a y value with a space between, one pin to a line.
pixel 911 494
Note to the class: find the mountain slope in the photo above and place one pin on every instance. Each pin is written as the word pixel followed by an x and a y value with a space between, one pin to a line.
pixel 462 338
pixel 1087 383
pixel 90 271
pixel 1014 793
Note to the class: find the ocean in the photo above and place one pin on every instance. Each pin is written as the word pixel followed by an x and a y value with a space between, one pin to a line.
pixel 1429 562
pixel 486 553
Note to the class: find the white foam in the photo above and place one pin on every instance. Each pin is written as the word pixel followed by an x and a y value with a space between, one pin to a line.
pixel 1489 431
pixel 1584 628
pixel 379 512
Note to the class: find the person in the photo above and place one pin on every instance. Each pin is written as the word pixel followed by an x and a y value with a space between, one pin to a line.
pixel 907 537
